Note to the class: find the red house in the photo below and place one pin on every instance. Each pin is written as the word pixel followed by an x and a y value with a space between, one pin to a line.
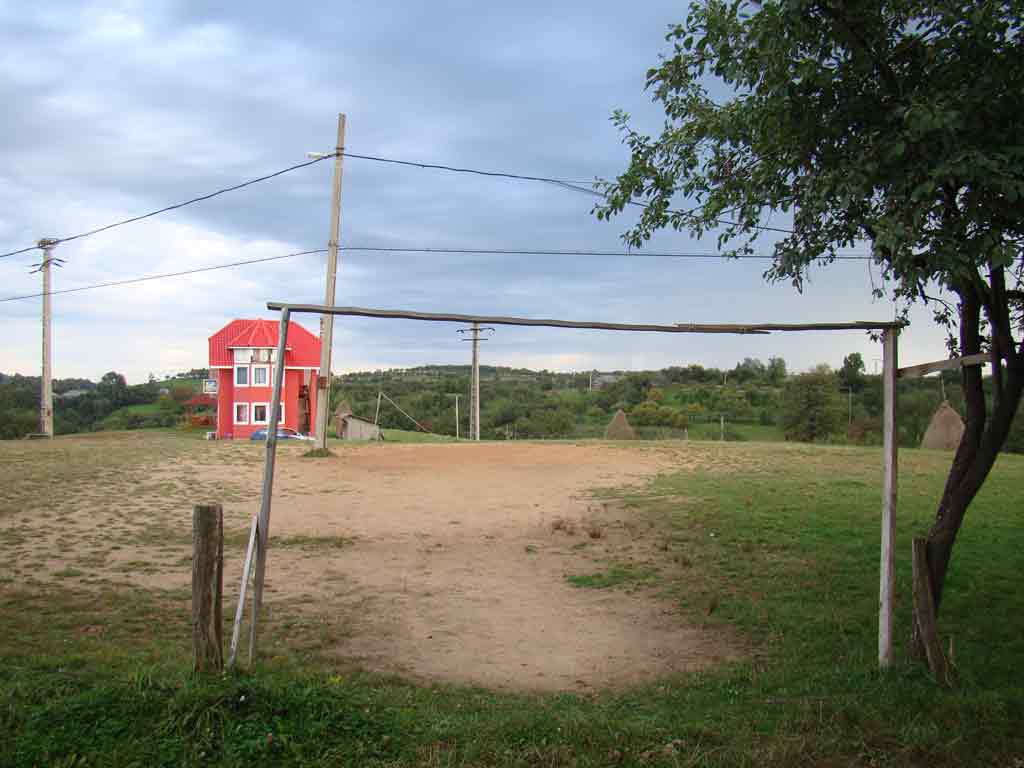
pixel 242 362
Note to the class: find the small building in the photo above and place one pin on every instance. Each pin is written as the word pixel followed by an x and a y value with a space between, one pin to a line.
pixel 600 380
pixel 348 426
pixel 71 394
pixel 200 410
pixel 242 362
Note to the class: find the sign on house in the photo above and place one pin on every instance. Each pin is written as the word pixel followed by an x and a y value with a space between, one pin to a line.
pixel 209 386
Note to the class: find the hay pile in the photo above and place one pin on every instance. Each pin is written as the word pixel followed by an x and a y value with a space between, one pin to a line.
pixel 618 428
pixel 945 430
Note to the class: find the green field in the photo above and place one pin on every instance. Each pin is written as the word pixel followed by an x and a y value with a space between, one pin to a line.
pixel 407 436
pixel 775 543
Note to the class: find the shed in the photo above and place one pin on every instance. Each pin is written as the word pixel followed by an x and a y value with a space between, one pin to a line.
pixel 348 426
pixel 200 410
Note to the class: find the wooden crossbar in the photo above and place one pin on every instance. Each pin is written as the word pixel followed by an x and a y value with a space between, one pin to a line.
pixel 916 371
pixel 448 317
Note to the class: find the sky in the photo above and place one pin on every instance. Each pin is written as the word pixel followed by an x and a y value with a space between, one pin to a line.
pixel 115 109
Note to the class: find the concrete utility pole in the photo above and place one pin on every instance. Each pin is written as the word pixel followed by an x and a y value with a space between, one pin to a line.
pixel 323 395
pixel 46 388
pixel 849 393
pixel 474 387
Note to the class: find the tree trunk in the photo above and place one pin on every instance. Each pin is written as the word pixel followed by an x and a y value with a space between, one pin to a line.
pixel 982 440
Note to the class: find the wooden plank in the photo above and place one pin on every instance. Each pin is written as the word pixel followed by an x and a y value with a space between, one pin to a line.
pixel 955 363
pixel 887 570
pixel 207 588
pixel 924 614
pixel 754 328
pixel 267 491
pixel 240 610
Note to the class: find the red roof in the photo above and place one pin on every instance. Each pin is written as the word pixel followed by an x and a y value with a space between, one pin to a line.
pixel 303 348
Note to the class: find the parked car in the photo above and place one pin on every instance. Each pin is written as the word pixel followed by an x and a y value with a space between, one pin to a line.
pixel 283 433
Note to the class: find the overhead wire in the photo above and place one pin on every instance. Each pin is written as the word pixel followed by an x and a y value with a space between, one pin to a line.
pixel 388 249
pixel 162 276
pixel 570 184
pixel 174 207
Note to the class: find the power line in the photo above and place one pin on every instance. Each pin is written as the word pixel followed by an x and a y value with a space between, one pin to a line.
pixel 455 169
pixel 182 273
pixel 728 222
pixel 174 207
pixel 387 249
pixel 569 184
pixel 564 252
pixel 565 183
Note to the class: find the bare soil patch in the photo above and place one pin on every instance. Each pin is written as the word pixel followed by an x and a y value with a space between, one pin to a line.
pixel 440 562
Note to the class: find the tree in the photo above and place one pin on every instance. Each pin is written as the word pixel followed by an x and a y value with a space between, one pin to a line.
pixel 894 124
pixel 113 388
pixel 811 408
pixel 750 369
pixel 776 370
pixel 852 373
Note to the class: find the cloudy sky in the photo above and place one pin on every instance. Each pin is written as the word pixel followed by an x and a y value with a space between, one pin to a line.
pixel 114 109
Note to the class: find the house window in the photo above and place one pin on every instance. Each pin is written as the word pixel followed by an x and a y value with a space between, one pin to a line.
pixel 260 376
pixel 261 413
pixel 241 376
pixel 241 413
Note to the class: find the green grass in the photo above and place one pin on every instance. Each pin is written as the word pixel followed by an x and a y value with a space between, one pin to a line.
pixel 776 545
pixel 407 436
pixel 616 576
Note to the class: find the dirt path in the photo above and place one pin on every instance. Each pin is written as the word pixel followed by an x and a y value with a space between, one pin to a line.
pixel 458 574
pixel 436 561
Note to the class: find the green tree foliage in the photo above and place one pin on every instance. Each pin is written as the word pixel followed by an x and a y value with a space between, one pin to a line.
pixel 811 408
pixel 113 388
pixel 776 371
pixel 852 373
pixel 896 124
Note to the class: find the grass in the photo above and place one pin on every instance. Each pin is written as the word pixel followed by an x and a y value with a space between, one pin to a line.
pixel 615 576
pixel 408 436
pixel 777 545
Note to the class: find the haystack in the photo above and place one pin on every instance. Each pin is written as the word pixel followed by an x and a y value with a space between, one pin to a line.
pixel 618 428
pixel 945 430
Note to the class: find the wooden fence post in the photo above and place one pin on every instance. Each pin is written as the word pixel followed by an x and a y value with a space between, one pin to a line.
pixel 207 588
pixel 890 449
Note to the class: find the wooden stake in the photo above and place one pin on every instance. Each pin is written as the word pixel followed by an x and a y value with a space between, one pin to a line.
pixel 887 570
pixel 263 537
pixel 240 610
pixel 207 588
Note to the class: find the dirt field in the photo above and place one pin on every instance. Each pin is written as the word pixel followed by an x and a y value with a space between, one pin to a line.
pixel 435 561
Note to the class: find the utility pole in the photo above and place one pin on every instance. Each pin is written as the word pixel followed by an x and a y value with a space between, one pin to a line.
pixel 323 395
pixel 46 385
pixel 376 415
pixel 474 388
pixel 456 415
